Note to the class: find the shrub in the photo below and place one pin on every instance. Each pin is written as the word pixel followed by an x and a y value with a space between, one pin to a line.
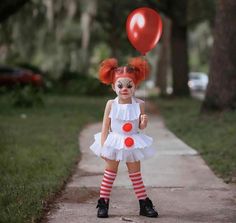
pixel 77 84
pixel 26 96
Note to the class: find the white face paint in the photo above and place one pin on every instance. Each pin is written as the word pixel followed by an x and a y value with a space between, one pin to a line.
pixel 124 87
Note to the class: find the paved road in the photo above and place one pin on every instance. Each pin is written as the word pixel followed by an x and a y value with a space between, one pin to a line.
pixel 178 181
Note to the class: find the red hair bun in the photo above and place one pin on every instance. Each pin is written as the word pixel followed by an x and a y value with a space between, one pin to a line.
pixel 137 69
pixel 142 68
pixel 106 70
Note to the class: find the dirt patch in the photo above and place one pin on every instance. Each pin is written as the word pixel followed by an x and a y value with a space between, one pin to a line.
pixel 78 195
pixel 82 173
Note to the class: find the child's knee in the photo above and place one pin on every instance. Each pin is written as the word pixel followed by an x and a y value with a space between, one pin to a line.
pixel 112 165
pixel 133 166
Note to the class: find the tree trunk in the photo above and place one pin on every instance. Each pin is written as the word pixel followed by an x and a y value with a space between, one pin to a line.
pixel 114 41
pixel 164 59
pixel 221 90
pixel 179 59
pixel 114 44
pixel 50 13
pixel 86 20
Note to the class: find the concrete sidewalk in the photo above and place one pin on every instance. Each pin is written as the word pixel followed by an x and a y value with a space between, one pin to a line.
pixel 178 181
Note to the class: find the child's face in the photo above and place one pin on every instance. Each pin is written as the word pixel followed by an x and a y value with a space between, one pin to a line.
pixel 124 87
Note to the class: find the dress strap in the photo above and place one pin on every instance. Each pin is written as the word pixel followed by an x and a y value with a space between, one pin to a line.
pixel 116 100
pixel 133 100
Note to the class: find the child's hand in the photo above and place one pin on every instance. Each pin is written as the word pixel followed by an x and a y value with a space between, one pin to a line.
pixel 144 121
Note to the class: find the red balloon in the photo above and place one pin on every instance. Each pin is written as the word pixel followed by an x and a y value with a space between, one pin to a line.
pixel 144 28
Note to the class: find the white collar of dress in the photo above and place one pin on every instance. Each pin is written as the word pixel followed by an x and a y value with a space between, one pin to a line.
pixel 133 101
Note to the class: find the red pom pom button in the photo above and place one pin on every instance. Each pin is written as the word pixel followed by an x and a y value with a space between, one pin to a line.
pixel 127 127
pixel 129 142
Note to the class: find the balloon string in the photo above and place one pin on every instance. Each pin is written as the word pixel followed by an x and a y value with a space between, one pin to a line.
pixel 145 92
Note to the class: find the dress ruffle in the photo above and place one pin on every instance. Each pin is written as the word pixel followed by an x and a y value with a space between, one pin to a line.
pixel 117 140
pixel 115 149
pixel 125 111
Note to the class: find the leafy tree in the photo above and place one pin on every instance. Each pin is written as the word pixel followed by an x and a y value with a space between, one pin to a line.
pixel 183 15
pixel 163 64
pixel 112 17
pixel 7 8
pixel 177 12
pixel 43 33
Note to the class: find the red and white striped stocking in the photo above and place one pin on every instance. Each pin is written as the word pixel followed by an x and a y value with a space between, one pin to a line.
pixel 138 185
pixel 107 182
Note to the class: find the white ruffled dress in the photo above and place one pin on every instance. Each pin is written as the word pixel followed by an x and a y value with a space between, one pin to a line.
pixel 124 141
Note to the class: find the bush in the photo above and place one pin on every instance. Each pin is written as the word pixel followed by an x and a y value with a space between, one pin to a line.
pixel 3 90
pixel 77 84
pixel 26 96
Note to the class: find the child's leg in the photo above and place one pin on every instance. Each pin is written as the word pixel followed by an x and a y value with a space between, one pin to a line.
pixel 108 178
pixel 136 178
pixel 146 206
pixel 106 187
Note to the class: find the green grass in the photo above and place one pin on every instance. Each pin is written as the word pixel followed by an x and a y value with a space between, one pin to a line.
pixel 213 135
pixel 38 150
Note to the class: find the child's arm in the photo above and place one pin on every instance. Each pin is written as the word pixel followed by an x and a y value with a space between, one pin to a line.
pixel 143 120
pixel 106 122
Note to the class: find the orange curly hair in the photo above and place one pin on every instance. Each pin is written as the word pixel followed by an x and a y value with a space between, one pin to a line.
pixel 137 69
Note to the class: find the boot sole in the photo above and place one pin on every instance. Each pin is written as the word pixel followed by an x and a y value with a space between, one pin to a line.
pixel 106 216
pixel 149 216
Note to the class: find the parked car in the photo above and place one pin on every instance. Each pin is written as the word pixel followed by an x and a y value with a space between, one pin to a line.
pixel 198 81
pixel 10 76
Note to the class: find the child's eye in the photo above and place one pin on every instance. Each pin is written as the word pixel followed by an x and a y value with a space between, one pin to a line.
pixel 120 86
pixel 129 86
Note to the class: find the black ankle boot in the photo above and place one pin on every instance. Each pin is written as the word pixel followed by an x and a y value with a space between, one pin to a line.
pixel 102 208
pixel 147 209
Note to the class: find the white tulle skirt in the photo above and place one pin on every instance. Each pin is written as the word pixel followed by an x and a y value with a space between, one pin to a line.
pixel 114 149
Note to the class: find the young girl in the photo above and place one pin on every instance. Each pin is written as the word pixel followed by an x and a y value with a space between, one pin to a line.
pixel 120 139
